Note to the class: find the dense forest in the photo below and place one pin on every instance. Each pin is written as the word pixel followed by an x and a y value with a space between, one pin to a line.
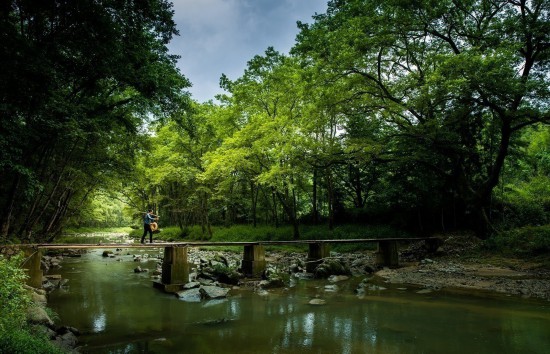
pixel 427 115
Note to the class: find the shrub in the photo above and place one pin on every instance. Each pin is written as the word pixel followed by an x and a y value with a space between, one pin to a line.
pixel 525 241
pixel 21 341
pixel 13 297
pixel 15 335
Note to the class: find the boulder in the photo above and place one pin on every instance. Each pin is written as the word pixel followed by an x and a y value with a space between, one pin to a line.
pixel 191 285
pixel 39 299
pixel 331 267
pixel 191 295
pixel 317 302
pixel 337 278
pixel 273 282
pixel 213 292
pixel 37 315
pixel 66 341
pixel 48 286
pixel 294 268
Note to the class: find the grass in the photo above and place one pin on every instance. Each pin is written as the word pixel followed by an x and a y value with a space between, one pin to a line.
pixel 93 230
pixel 524 241
pixel 244 233
pixel 94 235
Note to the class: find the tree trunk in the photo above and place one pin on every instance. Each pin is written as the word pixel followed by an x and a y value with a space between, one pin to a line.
pixel 254 194
pixel 9 208
pixel 355 179
pixel 274 208
pixel 330 195
pixel 315 211
pixel 290 212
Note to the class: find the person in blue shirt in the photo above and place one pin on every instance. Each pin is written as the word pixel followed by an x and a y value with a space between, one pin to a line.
pixel 147 220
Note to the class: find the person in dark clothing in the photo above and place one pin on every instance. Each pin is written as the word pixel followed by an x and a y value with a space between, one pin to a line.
pixel 147 220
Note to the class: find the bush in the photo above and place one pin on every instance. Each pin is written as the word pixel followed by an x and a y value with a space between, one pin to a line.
pixel 525 204
pixel 525 241
pixel 15 336
pixel 13 297
pixel 21 341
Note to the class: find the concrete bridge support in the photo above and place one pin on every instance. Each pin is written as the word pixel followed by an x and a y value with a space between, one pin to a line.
pixel 433 244
pixel 175 269
pixel 33 258
pixel 317 251
pixel 253 263
pixel 387 254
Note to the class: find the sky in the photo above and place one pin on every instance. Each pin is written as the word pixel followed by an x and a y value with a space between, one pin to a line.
pixel 220 36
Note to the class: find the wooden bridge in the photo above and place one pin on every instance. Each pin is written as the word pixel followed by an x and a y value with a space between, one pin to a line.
pixel 175 268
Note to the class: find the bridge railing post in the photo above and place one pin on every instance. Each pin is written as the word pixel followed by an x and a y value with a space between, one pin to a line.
pixel 387 254
pixel 317 251
pixel 175 269
pixel 253 263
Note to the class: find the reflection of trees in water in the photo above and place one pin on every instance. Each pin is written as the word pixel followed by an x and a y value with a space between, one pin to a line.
pixel 107 298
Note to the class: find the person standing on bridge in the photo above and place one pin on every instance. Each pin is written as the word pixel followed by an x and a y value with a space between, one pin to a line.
pixel 147 220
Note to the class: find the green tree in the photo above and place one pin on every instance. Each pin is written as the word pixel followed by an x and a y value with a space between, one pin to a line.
pixel 78 80
pixel 456 80
pixel 267 150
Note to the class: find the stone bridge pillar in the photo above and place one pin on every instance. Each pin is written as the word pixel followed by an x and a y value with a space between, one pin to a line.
pixel 175 269
pixel 387 254
pixel 253 263
pixel 432 244
pixel 317 251
pixel 33 258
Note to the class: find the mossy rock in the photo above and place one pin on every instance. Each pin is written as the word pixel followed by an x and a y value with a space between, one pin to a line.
pixel 331 267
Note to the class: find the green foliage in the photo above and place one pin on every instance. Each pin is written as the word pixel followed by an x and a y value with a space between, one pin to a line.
pixel 14 299
pixel 520 210
pixel 94 235
pixel 21 341
pixel 226 274
pixel 421 68
pixel 15 335
pixel 247 233
pixel 524 242
pixel 80 79
pixel 524 194
pixel 384 112
pixel 92 230
pixel 102 211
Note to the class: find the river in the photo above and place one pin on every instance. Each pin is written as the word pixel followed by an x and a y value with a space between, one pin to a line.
pixel 119 311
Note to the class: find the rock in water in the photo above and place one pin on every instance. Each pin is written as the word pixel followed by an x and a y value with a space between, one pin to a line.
pixel 191 295
pixel 213 292
pixel 317 302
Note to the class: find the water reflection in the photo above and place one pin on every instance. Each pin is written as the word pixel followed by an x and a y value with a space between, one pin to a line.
pixel 99 323
pixel 119 312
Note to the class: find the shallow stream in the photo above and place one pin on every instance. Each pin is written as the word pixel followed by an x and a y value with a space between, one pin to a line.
pixel 119 311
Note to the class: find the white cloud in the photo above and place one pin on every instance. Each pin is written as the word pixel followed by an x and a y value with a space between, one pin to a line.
pixel 220 36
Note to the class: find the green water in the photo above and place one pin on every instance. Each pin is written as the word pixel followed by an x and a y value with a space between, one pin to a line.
pixel 119 311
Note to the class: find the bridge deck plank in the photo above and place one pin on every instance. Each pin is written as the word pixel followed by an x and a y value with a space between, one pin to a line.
pixel 213 244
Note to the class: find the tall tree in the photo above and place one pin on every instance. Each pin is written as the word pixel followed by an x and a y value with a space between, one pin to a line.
pixel 75 74
pixel 267 149
pixel 455 79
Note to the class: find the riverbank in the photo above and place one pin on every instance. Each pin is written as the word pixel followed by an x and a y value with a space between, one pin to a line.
pixel 461 265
